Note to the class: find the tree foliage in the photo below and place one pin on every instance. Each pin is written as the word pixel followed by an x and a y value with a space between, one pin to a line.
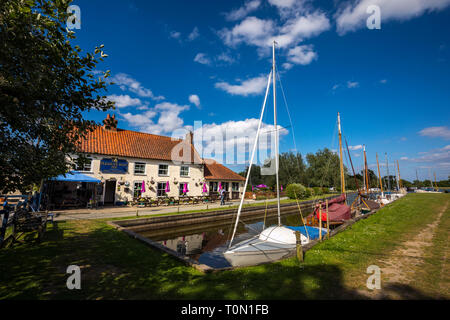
pixel 46 84
pixel 324 169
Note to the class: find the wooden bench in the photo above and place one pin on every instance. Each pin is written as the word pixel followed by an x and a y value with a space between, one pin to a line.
pixel 25 221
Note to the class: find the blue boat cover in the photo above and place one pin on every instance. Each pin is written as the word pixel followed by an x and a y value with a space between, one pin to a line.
pixel 75 176
pixel 312 232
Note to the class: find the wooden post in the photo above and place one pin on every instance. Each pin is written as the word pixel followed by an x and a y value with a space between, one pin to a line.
pixel 328 222
pixel 137 213
pixel 320 222
pixel 299 246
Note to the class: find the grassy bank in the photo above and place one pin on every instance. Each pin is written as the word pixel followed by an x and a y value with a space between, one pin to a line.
pixel 115 266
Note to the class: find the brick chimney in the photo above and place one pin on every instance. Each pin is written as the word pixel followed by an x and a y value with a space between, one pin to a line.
pixel 110 123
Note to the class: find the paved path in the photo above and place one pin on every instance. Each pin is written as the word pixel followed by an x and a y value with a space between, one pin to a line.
pixel 121 212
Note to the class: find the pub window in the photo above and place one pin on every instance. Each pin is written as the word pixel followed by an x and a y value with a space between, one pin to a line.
pixel 163 170
pixel 181 188
pixel 213 186
pixel 139 168
pixel 137 192
pixel 161 190
pixel 85 167
pixel 184 171
pixel 225 186
pixel 235 186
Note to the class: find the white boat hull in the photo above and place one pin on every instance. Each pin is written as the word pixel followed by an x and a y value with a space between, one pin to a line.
pixel 255 251
pixel 274 243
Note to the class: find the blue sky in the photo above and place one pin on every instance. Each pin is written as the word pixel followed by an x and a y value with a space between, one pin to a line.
pixel 176 62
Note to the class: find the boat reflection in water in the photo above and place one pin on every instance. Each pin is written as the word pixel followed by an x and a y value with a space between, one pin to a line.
pixel 207 243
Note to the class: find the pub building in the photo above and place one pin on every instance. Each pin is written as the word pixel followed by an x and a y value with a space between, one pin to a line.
pixel 129 164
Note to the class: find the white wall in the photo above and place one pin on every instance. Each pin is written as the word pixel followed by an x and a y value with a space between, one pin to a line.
pixel 151 171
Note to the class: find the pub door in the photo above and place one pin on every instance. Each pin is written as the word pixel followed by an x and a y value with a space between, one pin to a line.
pixel 110 192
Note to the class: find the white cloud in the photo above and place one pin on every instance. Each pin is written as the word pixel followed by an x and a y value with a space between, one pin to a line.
pixel 352 84
pixel 167 122
pixel 282 3
pixel 194 34
pixel 252 31
pixel 123 101
pixel 335 87
pixel 202 58
pixel 354 148
pixel 252 86
pixel 139 120
pixel 436 132
pixel 243 11
pixel 226 57
pixel 302 55
pixel 261 33
pixel 383 81
pixel 175 34
pixel 194 99
pixel 441 155
pixel 287 66
pixel 235 138
pixel 353 16
pixel 125 82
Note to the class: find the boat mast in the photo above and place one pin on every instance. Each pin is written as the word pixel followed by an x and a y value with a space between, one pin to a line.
pixel 365 170
pixel 435 182
pixel 341 160
pixel 251 161
pixel 276 130
pixel 387 169
pixel 396 177
pixel 379 177
pixel 399 178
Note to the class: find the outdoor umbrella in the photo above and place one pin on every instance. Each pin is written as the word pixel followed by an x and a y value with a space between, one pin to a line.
pixel 143 187
pixel 220 186
pixel 185 188
pixel 204 188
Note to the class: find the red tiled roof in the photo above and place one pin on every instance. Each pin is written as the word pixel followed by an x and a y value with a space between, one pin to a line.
pixel 217 171
pixel 125 143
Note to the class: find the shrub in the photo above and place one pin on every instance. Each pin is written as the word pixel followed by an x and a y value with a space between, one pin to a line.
pixel 296 191
pixel 309 192
pixel 325 190
pixel 318 191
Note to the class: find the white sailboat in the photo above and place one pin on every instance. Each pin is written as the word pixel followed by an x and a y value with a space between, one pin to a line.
pixel 275 242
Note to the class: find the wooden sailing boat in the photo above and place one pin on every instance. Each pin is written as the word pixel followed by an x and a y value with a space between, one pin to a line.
pixel 274 242
pixel 337 211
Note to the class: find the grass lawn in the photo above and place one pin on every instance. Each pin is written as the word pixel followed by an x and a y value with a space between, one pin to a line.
pixel 115 266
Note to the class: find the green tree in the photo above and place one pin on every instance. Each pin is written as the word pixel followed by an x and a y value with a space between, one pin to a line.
pixel 324 169
pixel 292 169
pixel 46 84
